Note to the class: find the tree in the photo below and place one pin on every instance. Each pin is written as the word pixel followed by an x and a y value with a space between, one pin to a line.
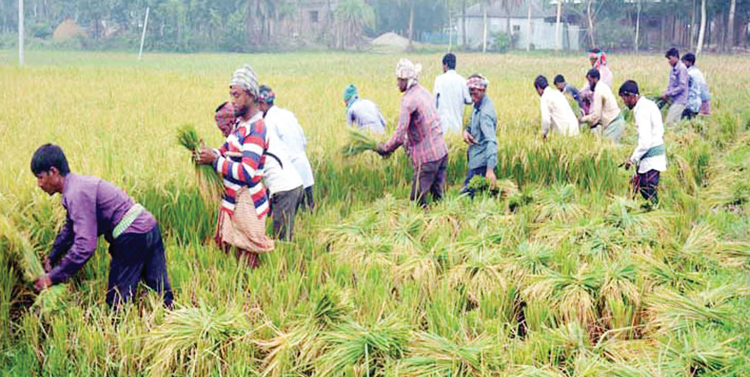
pixel 558 36
pixel 508 6
pixel 730 25
pixel 702 32
pixel 350 18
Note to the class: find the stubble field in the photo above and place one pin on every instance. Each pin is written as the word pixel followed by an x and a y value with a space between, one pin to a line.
pixel 560 275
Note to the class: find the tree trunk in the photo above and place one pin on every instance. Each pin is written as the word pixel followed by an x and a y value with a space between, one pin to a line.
pixel 411 26
pixel 484 26
pixel 558 36
pixel 591 24
pixel 730 25
pixel 528 30
pixel 693 29
pixel 463 20
pixel 637 25
pixel 507 25
pixel 702 31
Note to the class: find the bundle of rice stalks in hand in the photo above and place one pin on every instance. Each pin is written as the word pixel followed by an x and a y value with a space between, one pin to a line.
pixel 194 340
pixel 49 300
pixel 359 142
pixel 210 184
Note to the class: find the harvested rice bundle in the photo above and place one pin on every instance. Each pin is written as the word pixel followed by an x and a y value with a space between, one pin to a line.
pixel 359 142
pixel 210 184
pixel 193 340
pixel 48 301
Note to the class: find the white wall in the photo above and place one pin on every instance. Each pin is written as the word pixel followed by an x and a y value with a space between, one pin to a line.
pixel 543 33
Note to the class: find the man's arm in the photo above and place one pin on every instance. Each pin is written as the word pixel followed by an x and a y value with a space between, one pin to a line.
pixel 546 116
pixel 488 125
pixel 63 242
pixel 246 170
pixel 82 214
pixel 596 112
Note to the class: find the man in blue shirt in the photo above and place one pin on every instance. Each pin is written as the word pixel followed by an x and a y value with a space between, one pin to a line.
pixel 481 134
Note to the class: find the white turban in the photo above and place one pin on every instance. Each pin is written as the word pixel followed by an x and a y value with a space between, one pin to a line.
pixel 409 71
pixel 246 78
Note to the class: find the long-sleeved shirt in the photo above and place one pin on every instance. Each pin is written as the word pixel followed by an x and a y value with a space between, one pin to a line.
pixel 248 139
pixel 279 174
pixel 483 128
pixel 698 92
pixel 365 114
pixel 94 207
pixel 557 114
pixel 605 108
pixel 575 93
pixel 418 128
pixel 285 125
pixel 677 89
pixel 451 95
pixel 650 134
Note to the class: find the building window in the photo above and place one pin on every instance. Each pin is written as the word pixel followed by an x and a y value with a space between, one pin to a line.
pixel 516 28
pixel 314 16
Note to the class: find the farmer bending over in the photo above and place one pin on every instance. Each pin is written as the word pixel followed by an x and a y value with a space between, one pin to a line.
pixel 605 115
pixel 419 131
pixel 362 112
pixel 96 207
pixel 481 133
pixel 649 156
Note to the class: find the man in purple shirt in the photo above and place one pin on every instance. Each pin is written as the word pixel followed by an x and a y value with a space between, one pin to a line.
pixel 96 207
pixel 677 90
pixel 419 131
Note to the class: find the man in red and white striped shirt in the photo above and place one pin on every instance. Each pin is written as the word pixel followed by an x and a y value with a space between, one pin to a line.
pixel 419 131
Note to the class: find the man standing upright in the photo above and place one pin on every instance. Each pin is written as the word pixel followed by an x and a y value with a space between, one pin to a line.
pixel 649 156
pixel 481 133
pixel 284 124
pixel 419 131
pixel 677 90
pixel 451 95
pixel 556 112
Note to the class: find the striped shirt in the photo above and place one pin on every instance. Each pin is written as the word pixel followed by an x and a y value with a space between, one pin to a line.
pixel 248 140
pixel 418 128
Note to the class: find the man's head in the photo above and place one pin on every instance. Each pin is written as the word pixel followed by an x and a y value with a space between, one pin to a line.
pixel 560 82
pixel 689 59
pixel 407 74
pixel 594 54
pixel 50 167
pixel 593 77
pixel 540 83
pixel 629 93
pixel 243 90
pixel 350 93
pixel 477 87
pixel 225 118
pixel 266 96
pixel 449 62
pixel 673 55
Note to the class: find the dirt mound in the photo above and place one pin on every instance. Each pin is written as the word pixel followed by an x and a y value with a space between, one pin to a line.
pixel 67 30
pixel 390 42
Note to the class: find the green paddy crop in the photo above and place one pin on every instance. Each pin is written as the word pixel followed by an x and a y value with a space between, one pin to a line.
pixel 558 271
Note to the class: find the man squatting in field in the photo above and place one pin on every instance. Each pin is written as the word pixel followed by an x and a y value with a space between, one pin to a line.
pixel 699 97
pixel 419 131
pixel 557 115
pixel 649 155
pixel 96 207
pixel 362 112
pixel 282 180
pixel 605 113
pixel 283 123
pixel 481 134
pixel 240 162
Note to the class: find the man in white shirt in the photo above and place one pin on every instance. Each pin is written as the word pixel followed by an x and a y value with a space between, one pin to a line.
pixel 280 177
pixel 605 113
pixel 649 156
pixel 451 95
pixel 283 123
pixel 556 112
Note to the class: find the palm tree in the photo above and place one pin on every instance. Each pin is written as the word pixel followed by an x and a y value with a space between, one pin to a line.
pixel 508 6
pixel 730 25
pixel 351 17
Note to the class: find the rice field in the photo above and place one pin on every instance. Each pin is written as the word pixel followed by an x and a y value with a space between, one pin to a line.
pixel 560 273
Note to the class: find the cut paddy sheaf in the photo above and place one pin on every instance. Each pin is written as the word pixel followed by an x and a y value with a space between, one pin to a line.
pixel 562 273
